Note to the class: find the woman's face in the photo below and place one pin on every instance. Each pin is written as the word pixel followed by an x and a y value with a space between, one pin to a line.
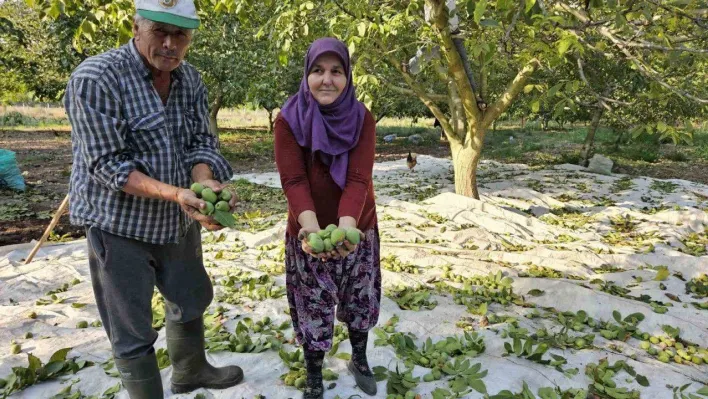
pixel 327 79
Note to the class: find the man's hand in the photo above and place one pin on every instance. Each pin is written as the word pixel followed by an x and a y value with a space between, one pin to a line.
pixel 217 188
pixel 192 205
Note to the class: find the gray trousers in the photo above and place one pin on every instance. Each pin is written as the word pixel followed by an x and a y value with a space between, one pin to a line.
pixel 124 273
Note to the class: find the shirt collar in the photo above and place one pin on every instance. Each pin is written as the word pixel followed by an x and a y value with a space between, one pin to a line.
pixel 177 74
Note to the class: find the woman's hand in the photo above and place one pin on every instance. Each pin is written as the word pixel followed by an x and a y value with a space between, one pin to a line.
pixel 346 247
pixel 302 236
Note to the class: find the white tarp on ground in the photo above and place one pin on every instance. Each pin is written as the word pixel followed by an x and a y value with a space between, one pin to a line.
pixel 503 232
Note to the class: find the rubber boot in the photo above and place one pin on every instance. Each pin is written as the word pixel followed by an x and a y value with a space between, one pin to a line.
pixel 141 377
pixel 314 388
pixel 190 369
pixel 364 379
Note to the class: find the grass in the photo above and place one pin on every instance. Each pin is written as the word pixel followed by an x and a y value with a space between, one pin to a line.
pixel 244 136
pixel 239 145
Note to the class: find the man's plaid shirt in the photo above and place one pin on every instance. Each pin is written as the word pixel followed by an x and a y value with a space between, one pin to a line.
pixel 119 124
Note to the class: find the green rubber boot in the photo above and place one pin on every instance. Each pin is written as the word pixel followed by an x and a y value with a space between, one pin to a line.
pixel 141 377
pixel 190 369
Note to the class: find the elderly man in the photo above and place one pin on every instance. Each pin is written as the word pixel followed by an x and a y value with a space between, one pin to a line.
pixel 140 137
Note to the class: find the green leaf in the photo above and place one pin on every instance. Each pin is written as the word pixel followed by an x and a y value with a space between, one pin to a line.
pixel 536 292
pixel 458 385
pixel 530 4
pixel 343 356
pixel 478 385
pixel 59 355
pixel 362 29
pixel 113 390
pixel 479 10
pixel 34 362
pixel 224 218
pixel 662 274
pixel 564 45
pixel 703 391
pixel 642 380
pixel 334 349
pixel 535 106
pixel 78 305
pixel 617 316
pixel 54 367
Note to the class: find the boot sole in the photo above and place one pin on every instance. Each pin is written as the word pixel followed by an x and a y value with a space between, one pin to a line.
pixel 186 388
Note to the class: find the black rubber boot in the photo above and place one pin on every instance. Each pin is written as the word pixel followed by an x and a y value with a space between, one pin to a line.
pixel 359 366
pixel 313 363
pixel 141 377
pixel 190 369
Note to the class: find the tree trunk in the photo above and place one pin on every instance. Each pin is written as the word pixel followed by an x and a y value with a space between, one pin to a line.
pixel 590 138
pixel 465 161
pixel 619 140
pixel 215 107
pixel 523 122
pixel 270 120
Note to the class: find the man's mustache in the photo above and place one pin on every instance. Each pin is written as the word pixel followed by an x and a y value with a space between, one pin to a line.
pixel 172 54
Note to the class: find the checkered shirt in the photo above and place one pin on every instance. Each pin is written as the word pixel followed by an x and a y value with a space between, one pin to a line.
pixel 119 125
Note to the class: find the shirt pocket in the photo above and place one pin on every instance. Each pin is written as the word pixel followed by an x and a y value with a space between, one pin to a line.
pixel 148 133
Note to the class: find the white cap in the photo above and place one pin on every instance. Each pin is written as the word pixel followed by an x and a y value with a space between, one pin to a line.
pixel 180 13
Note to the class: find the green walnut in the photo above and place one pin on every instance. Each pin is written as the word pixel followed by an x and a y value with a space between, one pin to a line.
pixel 328 245
pixel 222 206
pixel 197 188
pixel 225 195
pixel 337 236
pixel 353 236
pixel 315 242
pixel 15 349
pixel 208 208
pixel 82 324
pixel 209 195
pixel 300 383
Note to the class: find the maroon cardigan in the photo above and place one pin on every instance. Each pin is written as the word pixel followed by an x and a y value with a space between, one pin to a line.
pixel 309 186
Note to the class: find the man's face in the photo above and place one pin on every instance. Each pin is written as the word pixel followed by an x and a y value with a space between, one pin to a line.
pixel 163 46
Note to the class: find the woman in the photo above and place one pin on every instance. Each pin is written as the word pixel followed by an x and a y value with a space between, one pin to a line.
pixel 324 149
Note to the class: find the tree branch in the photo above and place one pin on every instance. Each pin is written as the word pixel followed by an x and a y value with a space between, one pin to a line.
pixel 351 14
pixel 701 22
pixel 455 63
pixel 409 92
pixel 511 92
pixel 621 45
pixel 652 46
pixel 507 32
pixel 423 96
pixel 581 72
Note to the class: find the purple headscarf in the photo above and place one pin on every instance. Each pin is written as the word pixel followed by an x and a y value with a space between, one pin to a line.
pixel 329 130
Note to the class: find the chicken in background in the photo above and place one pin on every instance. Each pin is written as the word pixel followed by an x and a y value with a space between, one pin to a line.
pixel 411 161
